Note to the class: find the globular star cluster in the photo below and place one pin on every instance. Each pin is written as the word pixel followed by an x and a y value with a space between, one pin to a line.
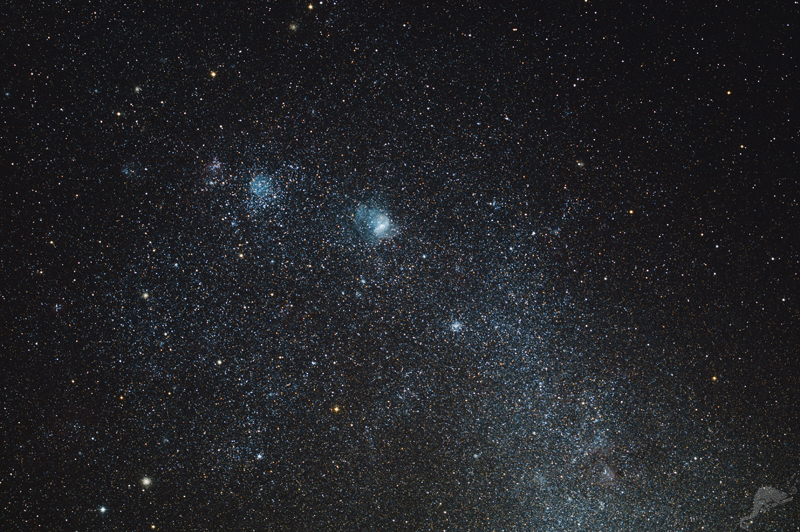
pixel 353 266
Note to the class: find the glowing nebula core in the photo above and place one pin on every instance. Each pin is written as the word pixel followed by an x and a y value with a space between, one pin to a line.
pixel 264 191
pixel 374 224
pixel 263 188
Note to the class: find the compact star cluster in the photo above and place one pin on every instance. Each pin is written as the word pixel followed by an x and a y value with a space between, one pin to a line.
pixel 263 191
pixel 374 224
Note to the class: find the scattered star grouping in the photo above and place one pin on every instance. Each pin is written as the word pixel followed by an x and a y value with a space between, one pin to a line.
pixel 354 266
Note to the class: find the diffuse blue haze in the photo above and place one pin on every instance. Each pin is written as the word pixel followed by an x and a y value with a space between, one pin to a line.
pixel 374 224
pixel 263 190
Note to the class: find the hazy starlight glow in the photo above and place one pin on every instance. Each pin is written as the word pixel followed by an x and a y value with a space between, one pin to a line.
pixel 263 191
pixel 374 224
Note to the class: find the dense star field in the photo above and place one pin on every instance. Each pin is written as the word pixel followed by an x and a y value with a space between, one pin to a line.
pixel 348 266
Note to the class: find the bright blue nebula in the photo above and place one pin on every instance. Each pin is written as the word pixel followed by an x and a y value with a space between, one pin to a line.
pixel 263 190
pixel 262 186
pixel 374 224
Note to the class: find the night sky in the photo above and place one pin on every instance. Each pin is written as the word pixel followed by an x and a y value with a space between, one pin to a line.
pixel 349 266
